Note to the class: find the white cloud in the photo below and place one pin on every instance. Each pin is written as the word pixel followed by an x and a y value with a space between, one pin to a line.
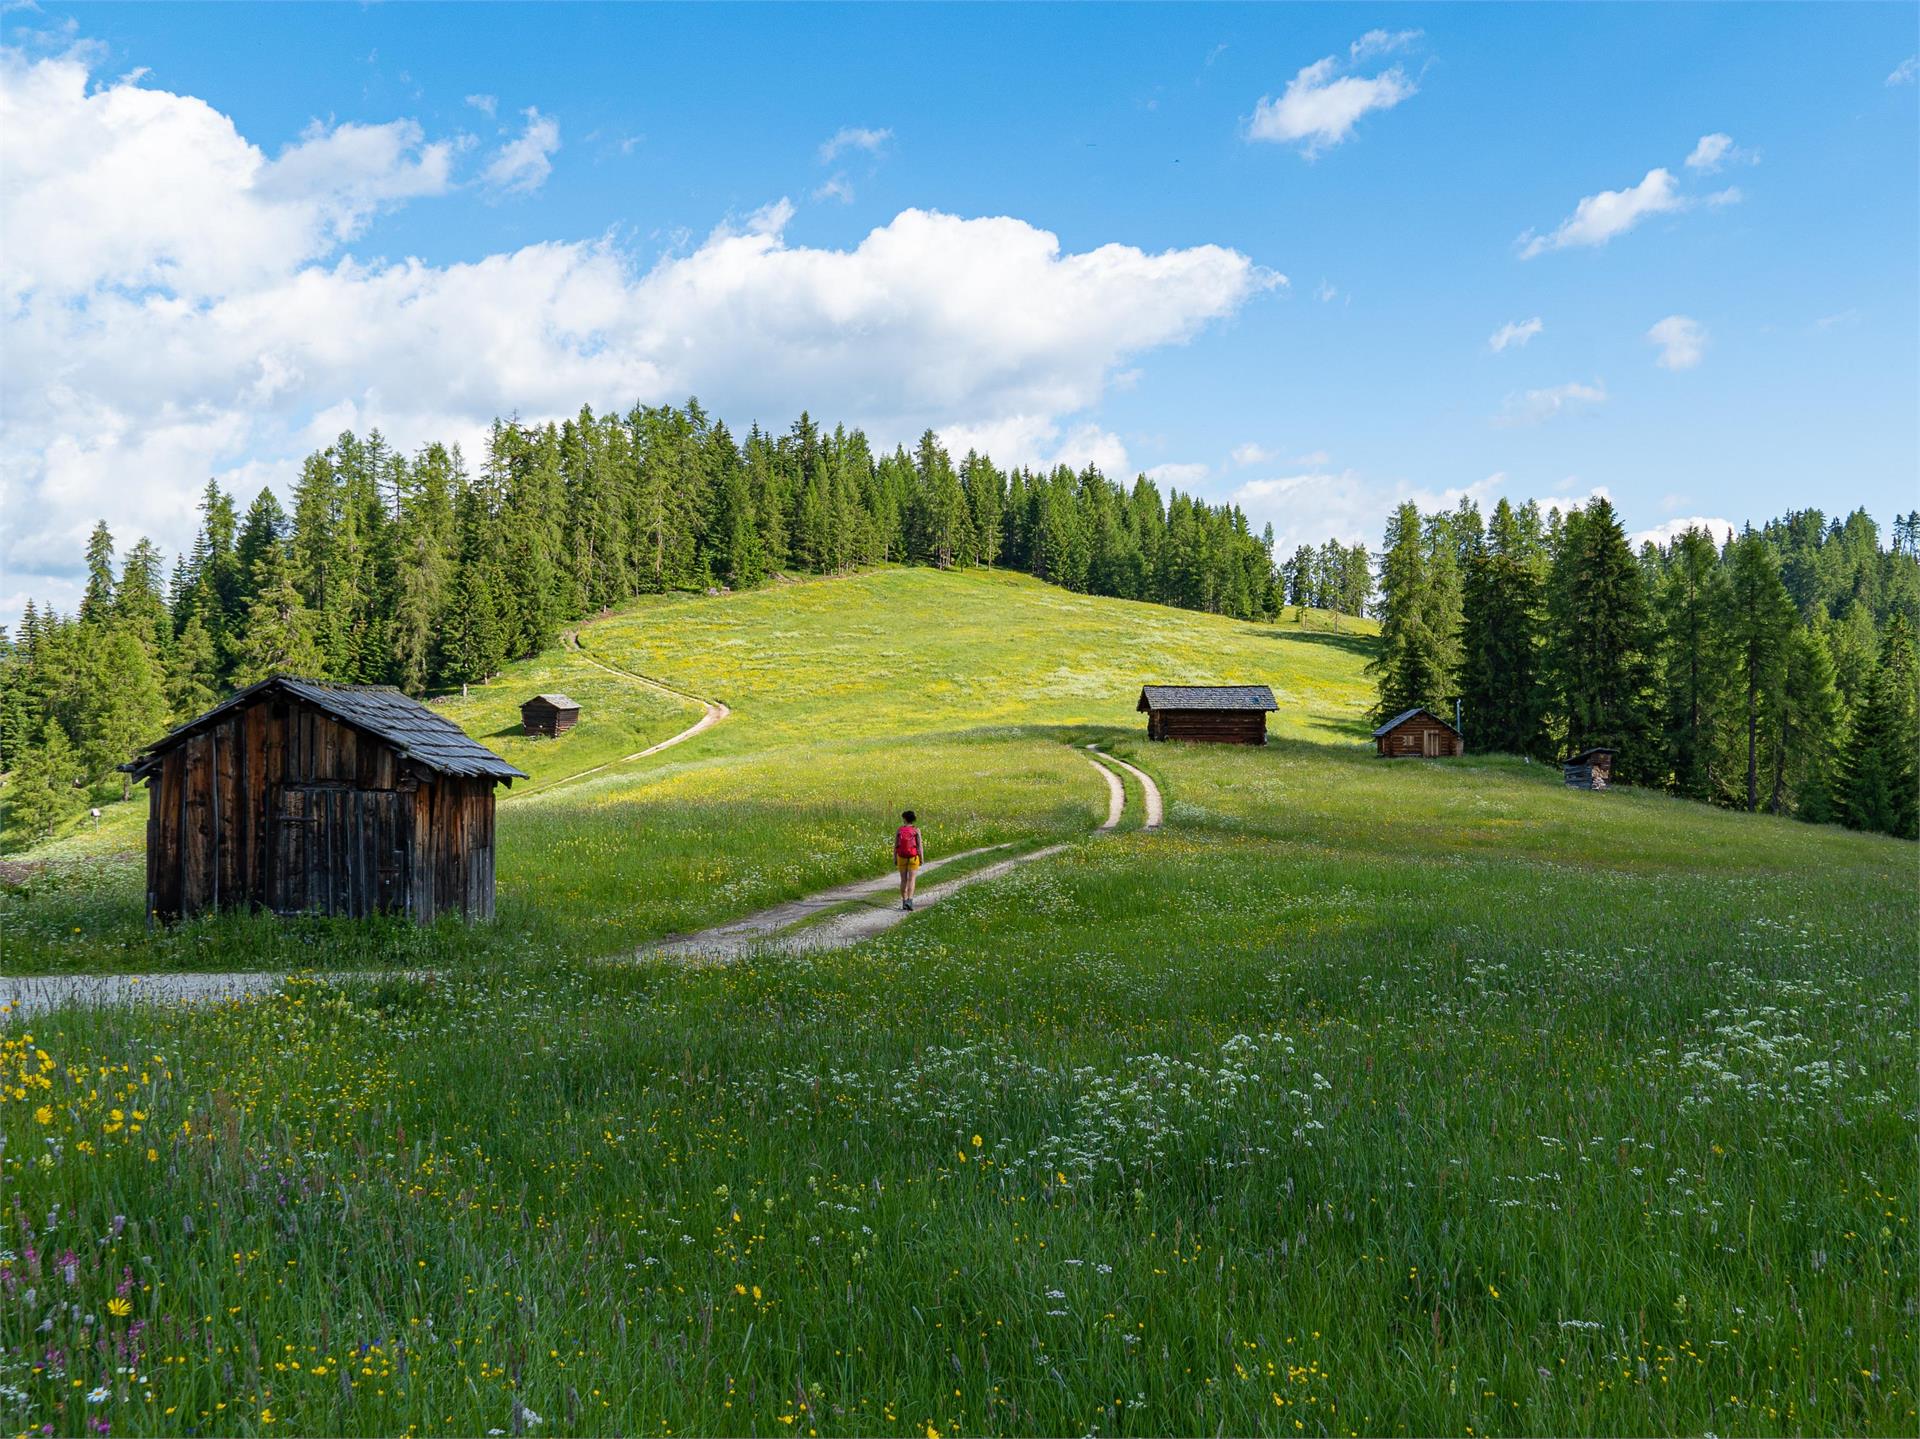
pixel 1537 405
pixel 853 137
pixel 228 331
pixel 522 165
pixel 1318 504
pixel 1514 333
pixel 1573 500
pixel 1710 153
pixel 1382 42
pixel 1598 218
pixel 1667 531
pixel 1729 196
pixel 836 188
pixel 1682 342
pixel 1325 293
pixel 485 104
pixel 1321 106
pixel 132 187
pixel 1904 72
pixel 1251 454
pixel 1179 475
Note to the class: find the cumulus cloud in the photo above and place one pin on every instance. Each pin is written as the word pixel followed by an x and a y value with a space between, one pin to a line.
pixel 1710 152
pixel 1251 454
pixel 1598 218
pixel 1321 105
pixel 1514 333
pixel 485 104
pixel 1667 531
pixel 522 165
pixel 179 308
pixel 1319 504
pixel 853 137
pixel 1178 475
pixel 836 188
pixel 1534 406
pixel 1682 342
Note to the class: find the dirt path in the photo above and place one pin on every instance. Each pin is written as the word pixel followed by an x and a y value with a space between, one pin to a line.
pixel 1149 791
pixel 712 713
pixel 872 908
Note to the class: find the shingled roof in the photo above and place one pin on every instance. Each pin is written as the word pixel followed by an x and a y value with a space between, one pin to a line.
pixel 559 702
pixel 429 740
pixel 1206 697
pixel 1406 715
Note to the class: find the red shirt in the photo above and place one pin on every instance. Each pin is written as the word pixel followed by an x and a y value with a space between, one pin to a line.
pixel 906 842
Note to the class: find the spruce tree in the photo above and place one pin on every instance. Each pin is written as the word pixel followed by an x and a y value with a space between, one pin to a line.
pixel 1409 666
pixel 1690 605
pixel 1597 638
pixel 1500 677
pixel 1757 618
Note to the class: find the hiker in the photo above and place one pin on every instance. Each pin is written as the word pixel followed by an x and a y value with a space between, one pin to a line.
pixel 906 854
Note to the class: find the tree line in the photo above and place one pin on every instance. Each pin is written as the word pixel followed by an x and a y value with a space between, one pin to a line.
pixel 412 570
pixel 1773 670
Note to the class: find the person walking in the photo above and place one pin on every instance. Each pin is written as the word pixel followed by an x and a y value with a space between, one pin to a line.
pixel 906 854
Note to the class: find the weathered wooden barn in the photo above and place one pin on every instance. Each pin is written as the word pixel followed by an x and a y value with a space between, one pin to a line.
pixel 1590 769
pixel 1418 734
pixel 1217 714
pixel 303 797
pixel 550 715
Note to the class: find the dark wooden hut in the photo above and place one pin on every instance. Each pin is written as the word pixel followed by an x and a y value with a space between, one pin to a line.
pixel 309 798
pixel 1418 734
pixel 550 715
pixel 1217 714
pixel 1590 769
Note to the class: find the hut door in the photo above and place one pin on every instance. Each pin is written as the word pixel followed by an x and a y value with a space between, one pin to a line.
pixel 1430 744
pixel 337 851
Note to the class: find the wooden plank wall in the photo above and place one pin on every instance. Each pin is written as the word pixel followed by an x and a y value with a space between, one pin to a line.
pixel 280 806
pixel 1407 740
pixel 1214 726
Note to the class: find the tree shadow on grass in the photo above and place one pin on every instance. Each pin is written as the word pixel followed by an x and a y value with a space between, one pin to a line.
pixel 1362 645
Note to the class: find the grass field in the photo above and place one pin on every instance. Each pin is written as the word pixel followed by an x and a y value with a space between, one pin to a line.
pixel 1404 1098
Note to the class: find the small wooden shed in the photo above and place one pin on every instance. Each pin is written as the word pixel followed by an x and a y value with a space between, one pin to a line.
pixel 1418 733
pixel 1216 714
pixel 550 715
pixel 1590 769
pixel 304 797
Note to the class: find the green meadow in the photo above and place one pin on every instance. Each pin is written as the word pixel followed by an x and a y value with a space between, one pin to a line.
pixel 1363 1097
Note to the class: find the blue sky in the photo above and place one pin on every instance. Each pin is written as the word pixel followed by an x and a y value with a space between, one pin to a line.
pixel 1261 252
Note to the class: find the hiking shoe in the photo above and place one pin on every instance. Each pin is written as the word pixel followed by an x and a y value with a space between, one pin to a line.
pixel 908 903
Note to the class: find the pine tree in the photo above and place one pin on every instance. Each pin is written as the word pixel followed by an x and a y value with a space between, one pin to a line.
pixel 1500 683
pixel 1808 708
pixel 97 603
pixel 193 676
pixel 120 705
pixel 1757 620
pixel 42 791
pixel 281 637
pixel 1597 636
pixel 1690 607
pixel 1409 667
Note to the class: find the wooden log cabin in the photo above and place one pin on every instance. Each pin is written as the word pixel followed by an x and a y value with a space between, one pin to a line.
pixel 1213 714
pixel 1590 769
pixel 1418 734
pixel 303 797
pixel 550 715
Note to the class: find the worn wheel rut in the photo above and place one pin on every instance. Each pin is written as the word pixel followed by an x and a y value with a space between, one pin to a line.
pixel 871 909
pixel 712 713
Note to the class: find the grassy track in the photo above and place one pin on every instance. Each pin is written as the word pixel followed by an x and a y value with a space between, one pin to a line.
pixel 1362 1097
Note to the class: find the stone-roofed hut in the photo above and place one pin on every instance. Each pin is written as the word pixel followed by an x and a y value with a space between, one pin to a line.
pixel 303 797
pixel 1418 734
pixel 550 715
pixel 1217 714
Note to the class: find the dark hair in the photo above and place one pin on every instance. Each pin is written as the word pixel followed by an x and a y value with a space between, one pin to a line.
pixel 908 816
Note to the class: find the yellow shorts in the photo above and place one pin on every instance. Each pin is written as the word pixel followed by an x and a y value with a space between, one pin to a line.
pixel 909 863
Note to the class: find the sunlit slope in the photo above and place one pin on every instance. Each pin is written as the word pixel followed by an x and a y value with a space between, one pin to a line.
pixel 906 651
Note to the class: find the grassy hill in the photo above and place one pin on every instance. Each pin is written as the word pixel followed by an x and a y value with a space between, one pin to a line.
pixel 1365 1096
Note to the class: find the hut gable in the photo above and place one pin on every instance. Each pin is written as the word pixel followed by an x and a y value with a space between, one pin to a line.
pixel 305 797
pixel 1220 714
pixel 550 715
pixel 1418 733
